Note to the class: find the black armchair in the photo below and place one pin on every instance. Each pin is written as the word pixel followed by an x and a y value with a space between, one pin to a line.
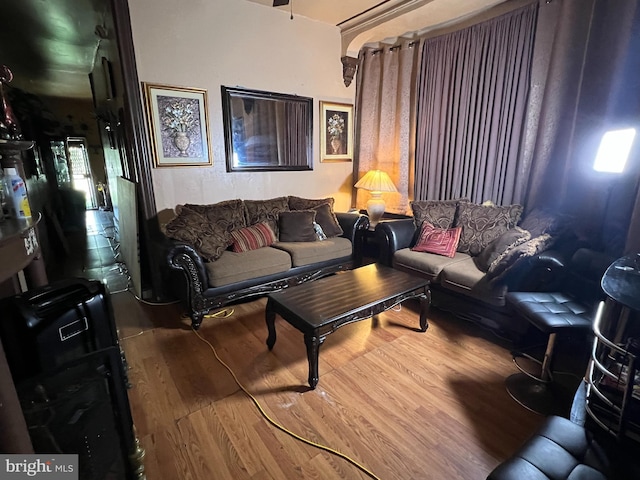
pixel 559 450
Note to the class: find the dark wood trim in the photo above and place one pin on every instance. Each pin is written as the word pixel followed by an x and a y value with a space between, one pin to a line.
pixel 137 144
pixel 136 133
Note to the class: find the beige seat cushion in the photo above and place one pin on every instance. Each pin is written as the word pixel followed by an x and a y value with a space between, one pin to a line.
pixel 305 253
pixel 467 278
pixel 428 264
pixel 234 267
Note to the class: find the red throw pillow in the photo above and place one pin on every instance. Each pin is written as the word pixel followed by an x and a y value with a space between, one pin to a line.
pixel 253 237
pixel 441 241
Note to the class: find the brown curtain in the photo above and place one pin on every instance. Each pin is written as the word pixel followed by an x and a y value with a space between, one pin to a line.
pixel 592 85
pixel 472 100
pixel 385 119
pixel 294 151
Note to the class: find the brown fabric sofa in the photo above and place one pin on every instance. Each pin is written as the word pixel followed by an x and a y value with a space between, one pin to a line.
pixel 231 251
pixel 498 252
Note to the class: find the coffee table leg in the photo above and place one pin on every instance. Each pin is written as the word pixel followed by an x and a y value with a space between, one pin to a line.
pixel 270 317
pixel 313 352
pixel 425 304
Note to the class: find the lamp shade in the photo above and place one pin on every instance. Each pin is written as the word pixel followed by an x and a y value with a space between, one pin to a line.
pixel 376 181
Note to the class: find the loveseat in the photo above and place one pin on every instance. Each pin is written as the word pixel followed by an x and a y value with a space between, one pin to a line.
pixel 474 254
pixel 238 249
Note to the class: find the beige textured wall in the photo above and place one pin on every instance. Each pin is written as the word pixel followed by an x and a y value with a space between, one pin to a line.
pixel 206 44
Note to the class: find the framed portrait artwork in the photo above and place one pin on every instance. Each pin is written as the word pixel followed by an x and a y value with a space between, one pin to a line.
pixel 336 132
pixel 178 125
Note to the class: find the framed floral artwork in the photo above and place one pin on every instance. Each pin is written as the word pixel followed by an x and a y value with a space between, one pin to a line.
pixel 178 125
pixel 336 132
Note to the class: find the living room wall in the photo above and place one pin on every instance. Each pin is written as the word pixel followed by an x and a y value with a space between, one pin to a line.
pixel 206 44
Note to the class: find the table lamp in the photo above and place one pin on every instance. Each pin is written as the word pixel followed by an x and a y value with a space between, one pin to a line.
pixel 376 181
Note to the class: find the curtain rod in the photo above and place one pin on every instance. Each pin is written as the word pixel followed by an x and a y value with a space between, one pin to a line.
pixel 395 47
pixel 476 18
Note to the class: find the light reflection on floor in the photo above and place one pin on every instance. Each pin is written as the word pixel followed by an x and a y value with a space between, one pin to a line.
pixel 93 253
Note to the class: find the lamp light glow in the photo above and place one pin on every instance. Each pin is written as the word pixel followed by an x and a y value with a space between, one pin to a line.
pixel 614 150
pixel 376 182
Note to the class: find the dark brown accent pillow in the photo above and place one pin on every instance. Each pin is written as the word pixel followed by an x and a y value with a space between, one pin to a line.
pixel 327 220
pixel 209 239
pixel 257 211
pixel 439 213
pixel 483 223
pixel 499 247
pixel 297 226
pixel 299 203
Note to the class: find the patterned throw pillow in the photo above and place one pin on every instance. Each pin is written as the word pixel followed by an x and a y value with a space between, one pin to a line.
pixel 299 203
pixel 257 211
pixel 441 241
pixel 482 224
pixel 499 247
pixel 253 237
pixel 499 270
pixel 228 214
pixel 439 213
pixel 208 238
pixel 297 226
pixel 327 220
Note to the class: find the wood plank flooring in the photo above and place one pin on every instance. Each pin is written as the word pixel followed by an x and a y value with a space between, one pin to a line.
pixel 403 404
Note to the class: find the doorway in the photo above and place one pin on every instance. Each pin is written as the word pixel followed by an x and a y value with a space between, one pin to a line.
pixel 80 170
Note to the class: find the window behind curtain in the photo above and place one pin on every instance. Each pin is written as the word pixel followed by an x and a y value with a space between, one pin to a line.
pixel 472 97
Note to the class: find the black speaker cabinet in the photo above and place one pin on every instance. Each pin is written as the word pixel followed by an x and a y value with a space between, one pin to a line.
pixel 46 327
pixel 82 408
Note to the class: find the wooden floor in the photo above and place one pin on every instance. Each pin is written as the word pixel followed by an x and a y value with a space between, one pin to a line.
pixel 403 404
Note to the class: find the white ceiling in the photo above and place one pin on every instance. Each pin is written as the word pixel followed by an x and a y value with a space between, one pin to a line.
pixel 372 21
pixel 50 44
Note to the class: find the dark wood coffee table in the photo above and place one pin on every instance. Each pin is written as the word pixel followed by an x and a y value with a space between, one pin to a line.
pixel 320 307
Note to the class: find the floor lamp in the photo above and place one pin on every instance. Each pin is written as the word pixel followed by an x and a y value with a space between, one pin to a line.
pixel 614 150
pixel 376 182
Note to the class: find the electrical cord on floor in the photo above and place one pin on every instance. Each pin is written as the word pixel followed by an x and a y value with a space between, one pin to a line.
pixel 123 268
pixel 227 313
pixel 132 336
pixel 124 290
pixel 141 301
pixel 224 314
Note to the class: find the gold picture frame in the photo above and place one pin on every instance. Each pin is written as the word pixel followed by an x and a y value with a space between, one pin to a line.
pixel 178 125
pixel 336 132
